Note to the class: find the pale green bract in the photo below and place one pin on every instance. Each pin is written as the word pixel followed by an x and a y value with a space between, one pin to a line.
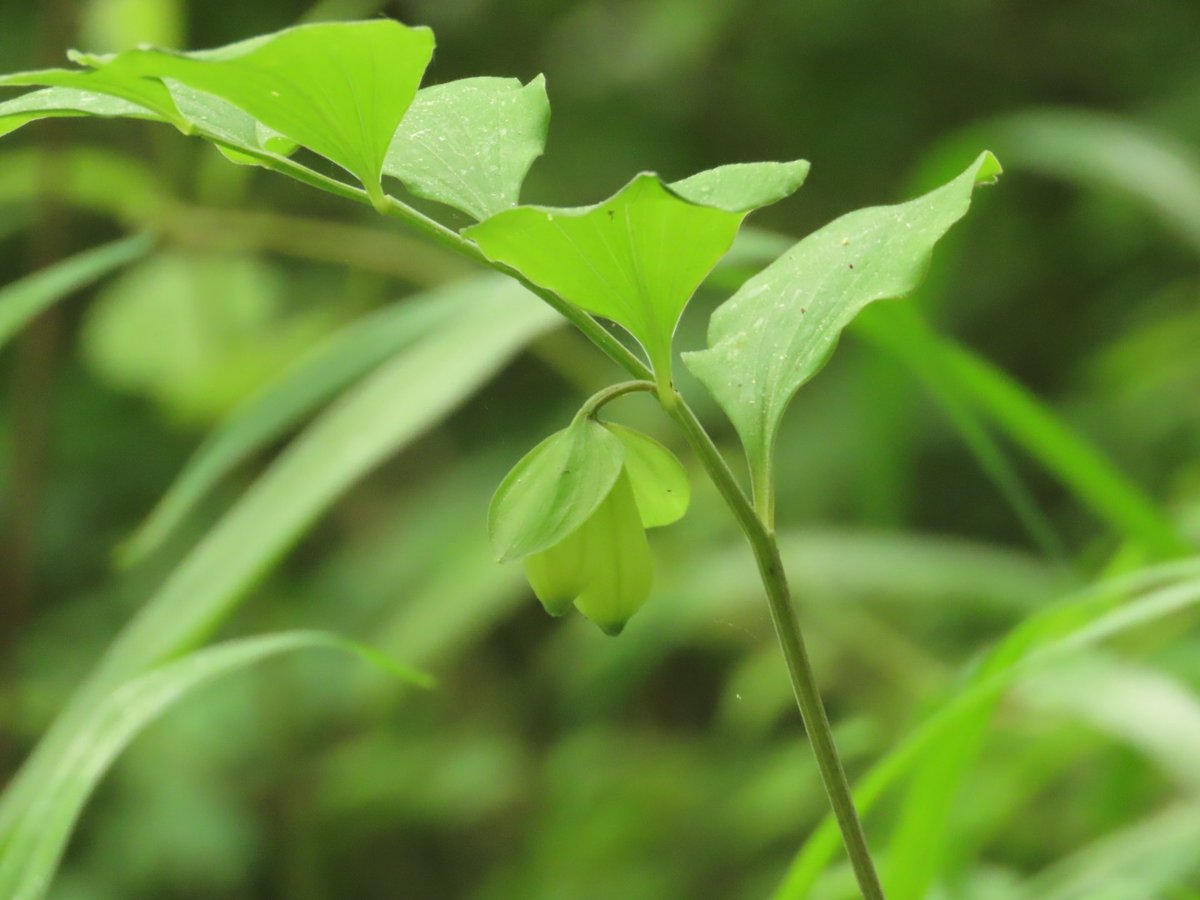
pixel 660 485
pixel 577 507
pixel 554 489
pixel 777 331
pixel 470 143
pixel 604 567
pixel 339 89
pixel 638 257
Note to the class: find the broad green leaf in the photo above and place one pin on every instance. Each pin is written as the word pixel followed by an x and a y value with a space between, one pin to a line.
pixel 469 143
pixel 330 366
pixel 660 485
pixel 778 330
pixel 58 102
pixel 604 566
pixel 339 89
pixel 554 489
pixel 375 419
pixel 638 257
pixel 34 848
pixel 23 300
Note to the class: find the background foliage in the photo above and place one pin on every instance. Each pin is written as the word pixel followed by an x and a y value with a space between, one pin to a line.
pixel 927 503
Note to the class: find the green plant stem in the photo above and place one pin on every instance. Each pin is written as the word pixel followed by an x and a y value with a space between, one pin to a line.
pixel 791 640
pixel 596 402
pixel 759 533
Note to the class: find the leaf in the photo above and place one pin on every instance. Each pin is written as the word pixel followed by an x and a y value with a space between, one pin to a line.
pixel 376 418
pixel 605 566
pixel 22 301
pixel 778 330
pixel 117 82
pixel 329 367
pixel 469 143
pixel 638 257
pixel 339 89
pixel 554 489
pixel 660 484
pixel 59 102
pixel 35 846
pixel 743 187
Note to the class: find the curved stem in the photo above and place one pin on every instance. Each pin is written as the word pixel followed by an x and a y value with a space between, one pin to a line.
pixel 594 403
pixel 760 534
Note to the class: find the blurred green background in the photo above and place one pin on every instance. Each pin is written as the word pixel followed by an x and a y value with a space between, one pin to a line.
pixel 551 761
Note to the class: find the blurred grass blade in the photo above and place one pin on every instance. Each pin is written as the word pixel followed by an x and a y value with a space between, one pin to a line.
pixel 900 331
pixel 1142 860
pixel 374 420
pixel 34 847
pixel 1093 149
pixel 1078 621
pixel 337 362
pixel 22 301
pixel 1150 710
pixel 1076 463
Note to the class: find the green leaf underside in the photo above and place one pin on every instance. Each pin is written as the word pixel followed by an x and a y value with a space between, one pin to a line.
pixel 34 847
pixel 779 329
pixel 59 102
pixel 554 489
pixel 470 143
pixel 235 133
pixel 660 484
pixel 144 93
pixel 604 567
pixel 637 257
pixel 339 89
